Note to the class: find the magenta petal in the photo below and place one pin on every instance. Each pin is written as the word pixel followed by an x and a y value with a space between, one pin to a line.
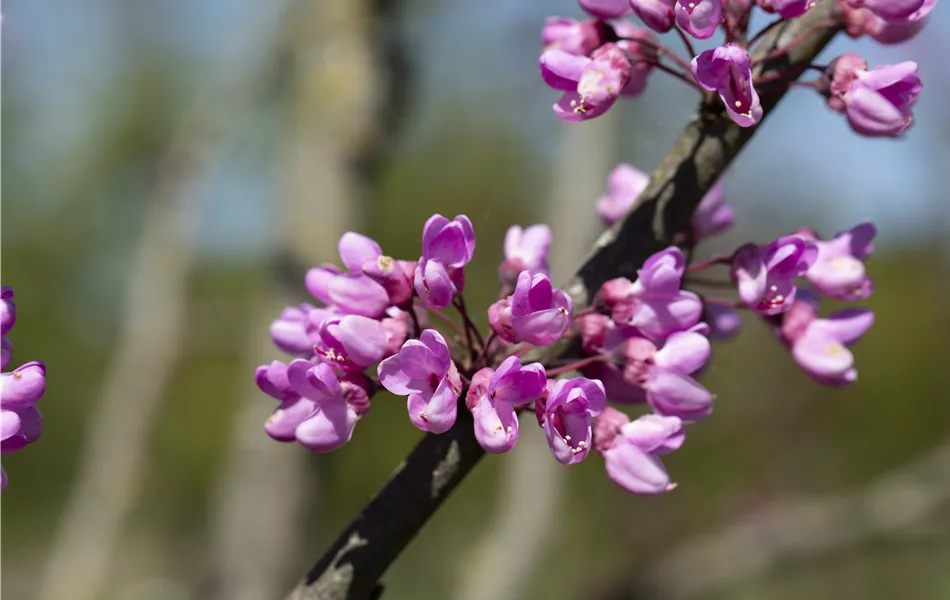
pixel 329 427
pixel 363 339
pixel 355 249
pixel 846 326
pixel 9 424
pixel 434 284
pixel 663 271
pixel 658 317
pixel 442 407
pixel 685 352
pixel 6 352
pixel 606 9
pixel 318 281
pixel 393 377
pixel 24 386
pixel 636 471
pixel 282 425
pixel 655 434
pixel 433 226
pixel 822 356
pixel 699 18
pixel 676 395
pixel 561 70
pixel 436 343
pixel 496 425
pixel 357 294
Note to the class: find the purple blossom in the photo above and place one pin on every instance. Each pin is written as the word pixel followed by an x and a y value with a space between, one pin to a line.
pixel 820 346
pixel 567 414
pixel 590 85
pixel 654 303
pixel 525 250
pixel 724 322
pixel 296 330
pixel 655 14
pixel 631 449
pixel 606 9
pixel 897 31
pixel 499 318
pixel 641 48
pixel 316 409
pixel 447 246
pixel 396 277
pixel 573 37
pixel 840 74
pixel 699 18
pixel 352 292
pixel 424 371
pixel 765 274
pixel 20 420
pixel 727 70
pixel 787 9
pixel 838 271
pixel 351 343
pixel 7 309
pixel 540 314
pixel 712 216
pixel 624 185
pixel 493 396
pixel 879 102
pixel 890 10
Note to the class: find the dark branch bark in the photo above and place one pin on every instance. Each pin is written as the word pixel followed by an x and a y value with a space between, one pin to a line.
pixel 351 569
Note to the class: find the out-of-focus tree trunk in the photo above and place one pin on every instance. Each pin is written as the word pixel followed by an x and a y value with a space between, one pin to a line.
pixel 334 130
pixel 149 338
pixel 532 482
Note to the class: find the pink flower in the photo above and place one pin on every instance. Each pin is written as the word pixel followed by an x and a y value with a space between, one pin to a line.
pixel 351 343
pixel 765 274
pixel 787 9
pixel 624 186
pixel 525 250
pixel 890 10
pixel 727 70
pixel 654 303
pixel 567 414
pixel 424 371
pixel 591 85
pixel 838 271
pixel 699 18
pixel 396 277
pixel 712 216
pixel 573 37
pixel 499 318
pixel 493 396
pixel 540 314
pixel 840 74
pixel 7 309
pixel 296 331
pixel 641 48
pixel 352 292
pixel 316 409
pixel 897 31
pixel 655 14
pixel 820 346
pixel 606 9
pixel 447 246
pixel 879 103
pixel 630 449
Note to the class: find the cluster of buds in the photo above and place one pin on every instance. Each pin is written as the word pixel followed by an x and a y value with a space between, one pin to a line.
pixel 596 61
pixel 644 340
pixel 20 420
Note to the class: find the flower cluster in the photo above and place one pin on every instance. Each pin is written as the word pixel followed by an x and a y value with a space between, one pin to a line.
pixel 20 420
pixel 596 61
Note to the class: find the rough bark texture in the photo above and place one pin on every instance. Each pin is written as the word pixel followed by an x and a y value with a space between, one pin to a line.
pixel 351 569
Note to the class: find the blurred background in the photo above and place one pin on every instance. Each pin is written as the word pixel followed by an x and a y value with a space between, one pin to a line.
pixel 172 169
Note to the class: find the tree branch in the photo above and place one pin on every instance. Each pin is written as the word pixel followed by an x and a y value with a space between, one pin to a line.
pixel 354 564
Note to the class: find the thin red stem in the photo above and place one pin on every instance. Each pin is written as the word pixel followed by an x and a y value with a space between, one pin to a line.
pixel 574 366
pixel 765 30
pixel 723 302
pixel 482 360
pixel 686 41
pixel 469 325
pixel 724 259
pixel 448 321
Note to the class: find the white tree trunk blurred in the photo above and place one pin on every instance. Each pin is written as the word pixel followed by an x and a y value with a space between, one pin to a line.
pixel 532 482
pixel 335 98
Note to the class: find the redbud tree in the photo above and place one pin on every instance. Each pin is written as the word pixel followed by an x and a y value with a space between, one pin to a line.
pixel 628 329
